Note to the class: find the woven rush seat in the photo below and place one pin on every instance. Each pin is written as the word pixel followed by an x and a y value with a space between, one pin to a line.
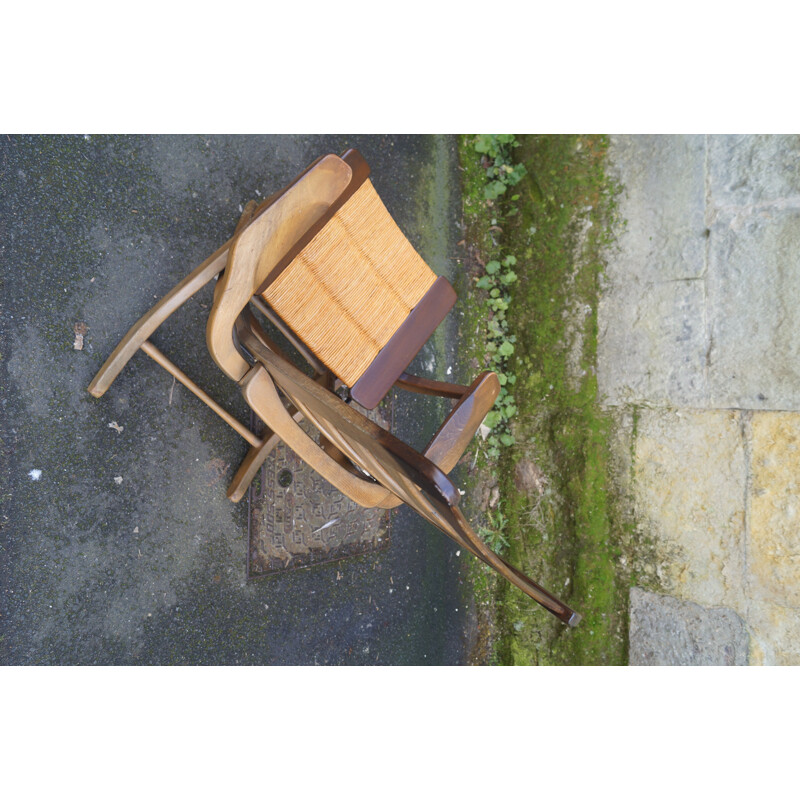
pixel 352 287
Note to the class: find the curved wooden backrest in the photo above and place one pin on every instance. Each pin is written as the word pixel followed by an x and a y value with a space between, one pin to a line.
pixel 262 245
pixel 389 462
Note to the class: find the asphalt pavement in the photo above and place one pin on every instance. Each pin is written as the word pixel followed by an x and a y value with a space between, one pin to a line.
pixel 117 542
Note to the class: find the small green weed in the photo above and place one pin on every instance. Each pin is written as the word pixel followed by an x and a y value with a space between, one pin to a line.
pixel 494 533
pixel 500 173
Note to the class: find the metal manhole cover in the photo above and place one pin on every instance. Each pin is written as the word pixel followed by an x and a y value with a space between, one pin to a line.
pixel 297 519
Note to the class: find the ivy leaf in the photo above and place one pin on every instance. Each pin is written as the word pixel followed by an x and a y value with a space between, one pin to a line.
pixel 506 349
pixel 484 282
pixel 516 174
pixel 509 277
pixel 492 418
pixel 493 190
pixel 507 439
pixel 492 267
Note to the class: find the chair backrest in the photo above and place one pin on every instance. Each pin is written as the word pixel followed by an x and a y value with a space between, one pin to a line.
pixel 261 246
pixel 382 456
pixel 388 461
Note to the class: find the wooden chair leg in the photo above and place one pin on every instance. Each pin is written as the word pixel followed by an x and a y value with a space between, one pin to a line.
pixel 160 359
pixel 147 324
pixel 165 307
pixel 255 457
pixel 257 454
pixel 250 466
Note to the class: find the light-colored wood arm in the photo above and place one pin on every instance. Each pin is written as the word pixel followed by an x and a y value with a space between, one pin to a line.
pixel 450 441
pixel 261 395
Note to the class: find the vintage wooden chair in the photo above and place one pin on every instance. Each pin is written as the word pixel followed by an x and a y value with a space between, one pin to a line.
pixel 324 261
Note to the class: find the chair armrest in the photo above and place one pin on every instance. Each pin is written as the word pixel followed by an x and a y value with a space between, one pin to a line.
pixel 450 441
pixel 261 395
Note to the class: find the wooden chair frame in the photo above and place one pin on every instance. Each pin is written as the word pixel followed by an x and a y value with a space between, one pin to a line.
pixel 389 471
pixel 276 230
pixel 359 458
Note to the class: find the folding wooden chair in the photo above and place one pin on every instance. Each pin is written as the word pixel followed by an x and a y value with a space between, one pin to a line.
pixel 369 464
pixel 325 262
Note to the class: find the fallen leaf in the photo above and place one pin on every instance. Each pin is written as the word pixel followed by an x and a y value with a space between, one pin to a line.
pixel 80 329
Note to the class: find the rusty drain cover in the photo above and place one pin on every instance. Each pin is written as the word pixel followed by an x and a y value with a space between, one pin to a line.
pixel 298 520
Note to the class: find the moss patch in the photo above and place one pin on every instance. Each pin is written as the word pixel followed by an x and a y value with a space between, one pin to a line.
pixel 565 526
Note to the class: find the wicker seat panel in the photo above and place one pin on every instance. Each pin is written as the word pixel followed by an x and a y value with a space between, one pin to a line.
pixel 352 286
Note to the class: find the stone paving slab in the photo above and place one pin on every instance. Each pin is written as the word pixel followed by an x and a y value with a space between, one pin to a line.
pixel 775 634
pixel 717 495
pixel 722 216
pixel 667 632
pixel 773 552
pixel 745 171
pixel 663 205
pixel 710 373
pixel 653 344
pixel 753 307
pixel 689 493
